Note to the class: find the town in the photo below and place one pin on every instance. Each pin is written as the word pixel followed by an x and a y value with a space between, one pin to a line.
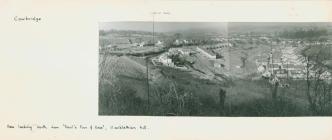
pixel 281 58
pixel 249 63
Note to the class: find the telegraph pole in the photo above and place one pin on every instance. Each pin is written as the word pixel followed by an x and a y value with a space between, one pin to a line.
pixel 147 63
pixel 228 49
pixel 147 78
pixel 153 30
pixel 272 59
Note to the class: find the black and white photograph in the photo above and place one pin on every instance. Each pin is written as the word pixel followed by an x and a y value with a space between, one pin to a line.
pixel 166 70
pixel 215 69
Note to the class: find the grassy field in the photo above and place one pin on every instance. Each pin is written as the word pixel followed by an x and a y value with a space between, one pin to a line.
pixel 123 91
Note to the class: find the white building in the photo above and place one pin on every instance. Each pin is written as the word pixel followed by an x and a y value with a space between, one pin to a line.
pixel 177 42
pixel 165 60
pixel 159 43
pixel 141 44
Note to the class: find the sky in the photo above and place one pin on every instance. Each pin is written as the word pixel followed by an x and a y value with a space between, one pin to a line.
pixel 163 26
pixel 220 27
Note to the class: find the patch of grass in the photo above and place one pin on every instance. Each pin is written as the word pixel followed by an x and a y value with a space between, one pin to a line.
pixel 265 107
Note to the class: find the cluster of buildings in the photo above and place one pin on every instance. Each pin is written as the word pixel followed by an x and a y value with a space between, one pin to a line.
pixel 147 43
pixel 285 64
pixel 167 58
pixel 216 42
pixel 122 43
pixel 288 64
pixel 170 58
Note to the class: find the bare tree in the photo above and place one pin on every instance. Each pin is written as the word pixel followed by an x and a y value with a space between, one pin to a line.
pixel 318 90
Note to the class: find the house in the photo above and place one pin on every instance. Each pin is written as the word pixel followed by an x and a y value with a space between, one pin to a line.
pixel 165 60
pixel 266 74
pixel 159 43
pixel 207 53
pixel 217 64
pixel 141 44
pixel 296 74
pixel 293 67
pixel 274 66
pixel 184 51
pixel 281 73
pixel 261 68
pixel 326 75
pixel 109 46
pixel 177 42
pixel 181 51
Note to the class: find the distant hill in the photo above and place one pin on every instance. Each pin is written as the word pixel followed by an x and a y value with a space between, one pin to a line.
pixel 270 27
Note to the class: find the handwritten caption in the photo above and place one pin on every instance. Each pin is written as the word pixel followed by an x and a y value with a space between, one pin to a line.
pixel 161 13
pixel 75 127
pixel 27 19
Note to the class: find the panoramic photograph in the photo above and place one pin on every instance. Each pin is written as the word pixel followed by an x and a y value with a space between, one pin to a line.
pixel 234 69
